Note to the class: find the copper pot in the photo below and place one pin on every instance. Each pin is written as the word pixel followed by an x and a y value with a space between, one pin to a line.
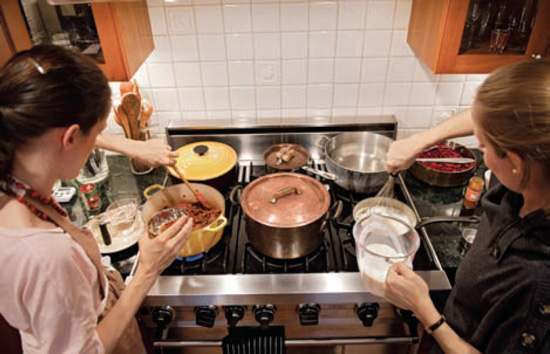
pixel 202 239
pixel 285 214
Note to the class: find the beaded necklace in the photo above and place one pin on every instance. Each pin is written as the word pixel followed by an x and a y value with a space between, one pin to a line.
pixel 18 189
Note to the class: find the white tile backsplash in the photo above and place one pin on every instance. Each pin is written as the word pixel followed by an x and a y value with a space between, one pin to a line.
pixel 240 46
pixel 265 17
pixel 292 61
pixel 351 15
pixel 243 98
pixel 209 19
pixel 380 15
pixel 294 45
pixel 349 44
pixel 214 73
pixel 211 47
pixel 321 71
pixel 294 17
pixel 267 45
pixel 347 70
pixel 241 73
pixel 187 74
pixel 184 48
pixel 192 99
pixel 237 18
pixel 322 44
pixel 162 75
pixel 179 20
pixel 322 15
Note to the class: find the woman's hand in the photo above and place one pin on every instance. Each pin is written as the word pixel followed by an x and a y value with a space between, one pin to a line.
pixel 402 153
pixel 154 152
pixel 405 289
pixel 158 253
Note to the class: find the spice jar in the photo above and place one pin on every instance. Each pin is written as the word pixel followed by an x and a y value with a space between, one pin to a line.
pixel 473 193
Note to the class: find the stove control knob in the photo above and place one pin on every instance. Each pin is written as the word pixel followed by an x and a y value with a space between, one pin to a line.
pixel 234 314
pixel 309 314
pixel 162 316
pixel 367 312
pixel 264 314
pixel 206 315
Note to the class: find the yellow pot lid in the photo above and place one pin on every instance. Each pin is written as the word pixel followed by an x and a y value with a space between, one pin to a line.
pixel 205 160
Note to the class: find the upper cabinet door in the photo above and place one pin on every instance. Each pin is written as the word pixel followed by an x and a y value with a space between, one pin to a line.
pixel 117 36
pixel 478 36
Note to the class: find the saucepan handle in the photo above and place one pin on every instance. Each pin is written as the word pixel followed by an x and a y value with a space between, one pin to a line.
pixel 282 192
pixel 438 219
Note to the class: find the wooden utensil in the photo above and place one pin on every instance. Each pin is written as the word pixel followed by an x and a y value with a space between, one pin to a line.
pixel 124 122
pixel 197 194
pixel 131 104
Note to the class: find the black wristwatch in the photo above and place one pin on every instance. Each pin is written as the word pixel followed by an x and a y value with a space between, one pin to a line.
pixel 436 325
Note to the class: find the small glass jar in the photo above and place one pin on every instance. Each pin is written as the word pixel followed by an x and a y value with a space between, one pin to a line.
pixel 473 192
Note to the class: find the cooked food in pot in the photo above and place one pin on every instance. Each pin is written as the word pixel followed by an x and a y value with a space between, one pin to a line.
pixel 201 215
pixel 442 150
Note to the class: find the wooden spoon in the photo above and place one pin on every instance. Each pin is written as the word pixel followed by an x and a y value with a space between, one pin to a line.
pixel 131 104
pixel 197 194
pixel 123 121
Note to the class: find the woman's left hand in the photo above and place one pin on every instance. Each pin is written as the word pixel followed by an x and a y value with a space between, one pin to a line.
pixel 405 289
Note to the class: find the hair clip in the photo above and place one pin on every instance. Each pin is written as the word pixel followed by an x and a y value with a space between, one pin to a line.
pixel 37 66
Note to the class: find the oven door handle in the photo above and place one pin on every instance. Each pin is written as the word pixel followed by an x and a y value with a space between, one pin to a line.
pixel 295 342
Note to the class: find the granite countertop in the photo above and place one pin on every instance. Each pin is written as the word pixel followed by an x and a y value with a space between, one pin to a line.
pixel 429 201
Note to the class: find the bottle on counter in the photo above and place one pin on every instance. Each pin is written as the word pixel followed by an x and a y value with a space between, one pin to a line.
pixel 472 196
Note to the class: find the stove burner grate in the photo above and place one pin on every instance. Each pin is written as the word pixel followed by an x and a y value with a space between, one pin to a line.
pixel 255 262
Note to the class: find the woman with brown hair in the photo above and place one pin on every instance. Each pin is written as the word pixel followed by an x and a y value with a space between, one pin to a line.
pixel 55 291
pixel 501 299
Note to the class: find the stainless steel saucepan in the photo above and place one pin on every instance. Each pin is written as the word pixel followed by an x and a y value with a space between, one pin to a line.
pixel 396 209
pixel 358 160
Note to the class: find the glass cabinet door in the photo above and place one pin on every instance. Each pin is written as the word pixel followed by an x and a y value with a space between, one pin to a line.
pixel 498 26
pixel 72 26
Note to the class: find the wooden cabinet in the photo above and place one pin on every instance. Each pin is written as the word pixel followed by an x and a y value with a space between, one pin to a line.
pixel 454 36
pixel 117 35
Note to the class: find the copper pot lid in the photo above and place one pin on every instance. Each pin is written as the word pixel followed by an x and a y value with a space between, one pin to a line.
pixel 205 160
pixel 285 156
pixel 285 200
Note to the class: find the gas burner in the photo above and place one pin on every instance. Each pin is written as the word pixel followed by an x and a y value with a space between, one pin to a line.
pixel 213 261
pixel 349 198
pixel 254 262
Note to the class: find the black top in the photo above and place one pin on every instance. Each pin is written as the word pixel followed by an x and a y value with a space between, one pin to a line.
pixel 501 299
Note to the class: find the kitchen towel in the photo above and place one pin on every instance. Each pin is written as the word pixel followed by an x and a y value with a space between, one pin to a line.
pixel 254 340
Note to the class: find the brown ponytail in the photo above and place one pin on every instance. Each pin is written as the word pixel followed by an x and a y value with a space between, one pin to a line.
pixel 48 87
pixel 514 111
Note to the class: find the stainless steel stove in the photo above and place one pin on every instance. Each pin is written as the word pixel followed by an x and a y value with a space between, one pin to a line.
pixel 318 300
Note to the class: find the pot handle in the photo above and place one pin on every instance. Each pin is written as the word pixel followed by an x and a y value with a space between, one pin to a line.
pixel 320 173
pixel 219 226
pixel 233 195
pixel 332 214
pixel 323 140
pixel 282 192
pixel 438 219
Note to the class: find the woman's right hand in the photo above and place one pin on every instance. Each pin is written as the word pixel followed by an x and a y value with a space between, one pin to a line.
pixel 158 253
pixel 402 153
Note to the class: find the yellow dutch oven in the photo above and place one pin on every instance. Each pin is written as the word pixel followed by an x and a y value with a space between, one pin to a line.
pixel 200 240
pixel 207 162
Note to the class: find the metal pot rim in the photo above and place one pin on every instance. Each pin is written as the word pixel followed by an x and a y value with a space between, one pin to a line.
pixel 329 157
pixel 252 204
